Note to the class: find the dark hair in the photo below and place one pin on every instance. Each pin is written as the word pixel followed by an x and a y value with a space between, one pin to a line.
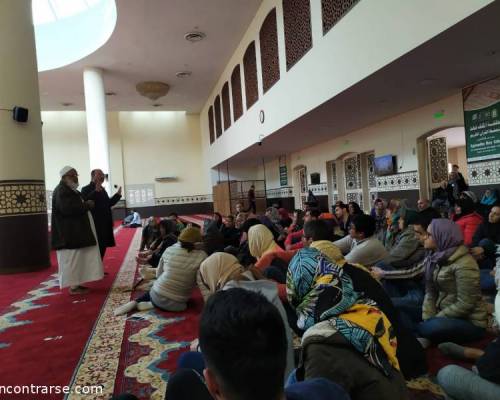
pixel 168 225
pixel 173 214
pixel 242 335
pixel 187 245
pixel 317 230
pixel 424 219
pixel 455 166
pixel 341 205
pixel 467 205
pixel 92 173
pixel 364 223
pixel 357 208
pixel 231 217
pixel 314 212
pixel 218 215
pixel 249 223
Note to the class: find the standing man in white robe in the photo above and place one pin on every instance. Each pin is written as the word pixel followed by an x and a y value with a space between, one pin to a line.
pixel 73 235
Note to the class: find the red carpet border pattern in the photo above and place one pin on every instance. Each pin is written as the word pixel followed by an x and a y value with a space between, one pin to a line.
pixel 99 362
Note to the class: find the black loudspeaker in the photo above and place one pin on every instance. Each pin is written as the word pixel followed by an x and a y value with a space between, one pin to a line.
pixel 20 114
pixel 315 178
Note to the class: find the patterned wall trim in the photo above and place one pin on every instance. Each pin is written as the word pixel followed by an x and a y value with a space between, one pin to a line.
pixel 269 56
pixel 438 155
pixel 334 10
pixel 236 93
pixel 484 173
pixel 250 71
pixel 218 121
pixel 298 36
pixel 397 182
pixel 226 107
pixel 22 197
pixel 201 198
pixel 279 192
pixel 211 124
pixel 320 189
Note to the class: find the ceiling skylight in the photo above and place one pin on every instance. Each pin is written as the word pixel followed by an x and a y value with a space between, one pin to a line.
pixel 69 30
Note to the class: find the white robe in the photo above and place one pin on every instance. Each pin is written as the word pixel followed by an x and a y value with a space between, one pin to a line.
pixel 77 266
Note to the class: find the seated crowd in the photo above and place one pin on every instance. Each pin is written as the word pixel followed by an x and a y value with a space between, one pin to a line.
pixel 363 294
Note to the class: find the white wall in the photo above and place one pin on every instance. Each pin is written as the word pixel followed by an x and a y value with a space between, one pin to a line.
pixel 365 40
pixel 397 135
pixel 143 146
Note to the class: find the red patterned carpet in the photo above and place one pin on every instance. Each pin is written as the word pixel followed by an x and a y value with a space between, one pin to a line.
pixel 43 331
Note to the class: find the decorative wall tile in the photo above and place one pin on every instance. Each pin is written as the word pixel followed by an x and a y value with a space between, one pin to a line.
pixel 372 181
pixel 236 93
pixel 438 155
pixel 269 57
pixel 297 23
pixel 211 124
pixel 397 182
pixel 352 172
pixel 320 189
pixel 218 122
pixel 22 197
pixel 282 192
pixel 484 173
pixel 250 71
pixel 202 198
pixel 334 10
pixel 226 107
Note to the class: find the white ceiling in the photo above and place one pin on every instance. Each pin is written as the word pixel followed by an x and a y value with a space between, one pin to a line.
pixel 148 44
pixel 455 137
pixel 467 53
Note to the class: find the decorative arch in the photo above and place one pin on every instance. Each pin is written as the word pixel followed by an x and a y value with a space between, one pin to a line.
pixel 226 106
pixel 218 122
pixel 250 70
pixel 298 36
pixel 269 56
pixel 236 93
pixel 211 124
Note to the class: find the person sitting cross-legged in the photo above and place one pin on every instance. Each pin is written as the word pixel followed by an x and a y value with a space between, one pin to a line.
pixel 361 246
pixel 453 309
pixel 176 276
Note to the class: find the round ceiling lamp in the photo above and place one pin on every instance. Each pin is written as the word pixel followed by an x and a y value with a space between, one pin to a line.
pixel 153 90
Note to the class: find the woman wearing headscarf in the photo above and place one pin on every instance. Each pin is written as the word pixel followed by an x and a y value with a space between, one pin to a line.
pixel 272 260
pixel 354 209
pixel 222 271
pixel 453 309
pixel 410 355
pixel 467 218
pixel 347 338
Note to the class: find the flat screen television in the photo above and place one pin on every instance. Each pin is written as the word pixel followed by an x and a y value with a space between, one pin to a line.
pixel 385 165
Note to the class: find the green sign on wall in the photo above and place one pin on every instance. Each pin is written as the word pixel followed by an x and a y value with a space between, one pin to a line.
pixel 482 120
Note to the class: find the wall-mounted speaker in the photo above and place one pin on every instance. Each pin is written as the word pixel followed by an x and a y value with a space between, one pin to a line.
pixel 20 114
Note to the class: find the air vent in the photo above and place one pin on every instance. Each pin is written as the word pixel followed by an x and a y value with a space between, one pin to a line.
pixel 157 105
pixel 183 74
pixel 66 104
pixel 110 94
pixel 194 36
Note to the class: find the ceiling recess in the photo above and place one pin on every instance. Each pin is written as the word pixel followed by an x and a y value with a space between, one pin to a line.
pixel 194 36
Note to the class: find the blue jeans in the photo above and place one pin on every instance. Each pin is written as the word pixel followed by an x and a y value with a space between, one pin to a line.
pixel 407 296
pixel 462 384
pixel 439 330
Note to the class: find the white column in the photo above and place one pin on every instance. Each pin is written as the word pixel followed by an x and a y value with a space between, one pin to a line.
pixel 97 128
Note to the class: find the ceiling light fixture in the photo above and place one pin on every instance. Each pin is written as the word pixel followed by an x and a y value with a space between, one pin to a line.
pixel 157 105
pixel 194 36
pixel 153 90
pixel 183 74
pixel 66 104
pixel 110 94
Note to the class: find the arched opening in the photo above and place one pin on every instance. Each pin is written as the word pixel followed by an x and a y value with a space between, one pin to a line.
pixel 437 151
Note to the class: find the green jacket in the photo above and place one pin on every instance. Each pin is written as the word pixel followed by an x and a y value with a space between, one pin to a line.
pixel 406 249
pixel 455 290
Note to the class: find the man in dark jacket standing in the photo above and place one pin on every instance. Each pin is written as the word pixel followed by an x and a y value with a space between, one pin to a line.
pixel 73 235
pixel 101 213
